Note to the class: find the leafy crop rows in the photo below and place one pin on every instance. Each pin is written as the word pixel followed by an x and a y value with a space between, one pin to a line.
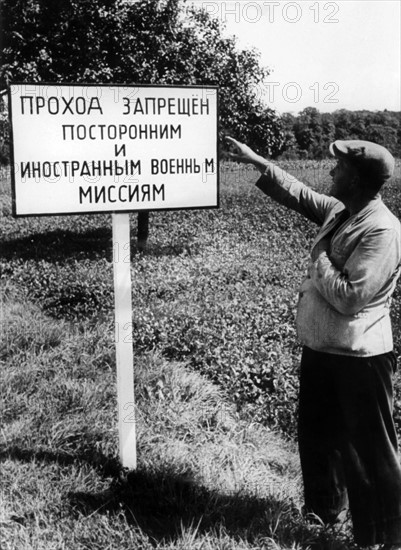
pixel 215 289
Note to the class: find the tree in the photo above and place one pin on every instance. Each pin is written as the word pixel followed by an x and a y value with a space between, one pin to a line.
pixel 56 40
pixel 150 42
pixel 308 132
pixel 147 42
pixel 328 132
pixel 4 131
pixel 342 122
pixel 291 149
pixel 384 135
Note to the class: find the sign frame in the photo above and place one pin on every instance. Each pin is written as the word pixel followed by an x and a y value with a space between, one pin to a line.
pixel 112 85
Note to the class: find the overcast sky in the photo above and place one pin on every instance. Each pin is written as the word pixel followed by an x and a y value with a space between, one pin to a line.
pixel 331 55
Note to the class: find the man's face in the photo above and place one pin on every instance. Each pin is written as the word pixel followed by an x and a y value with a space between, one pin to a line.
pixel 343 175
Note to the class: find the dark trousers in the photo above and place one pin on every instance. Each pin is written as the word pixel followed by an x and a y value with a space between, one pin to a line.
pixel 348 443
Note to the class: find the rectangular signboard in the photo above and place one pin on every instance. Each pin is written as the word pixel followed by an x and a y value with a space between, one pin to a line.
pixel 81 148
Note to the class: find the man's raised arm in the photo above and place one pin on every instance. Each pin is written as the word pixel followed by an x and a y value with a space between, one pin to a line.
pixel 282 186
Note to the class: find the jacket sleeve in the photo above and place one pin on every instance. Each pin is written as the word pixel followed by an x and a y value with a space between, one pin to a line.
pixel 371 265
pixel 288 191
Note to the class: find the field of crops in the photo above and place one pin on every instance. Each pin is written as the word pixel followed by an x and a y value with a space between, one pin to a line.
pixel 216 354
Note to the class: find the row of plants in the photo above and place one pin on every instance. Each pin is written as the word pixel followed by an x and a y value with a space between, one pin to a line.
pixel 215 289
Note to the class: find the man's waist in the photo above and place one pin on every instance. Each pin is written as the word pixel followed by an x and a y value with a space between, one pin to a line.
pixel 321 327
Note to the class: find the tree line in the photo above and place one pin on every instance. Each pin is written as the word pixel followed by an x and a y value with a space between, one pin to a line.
pixel 309 134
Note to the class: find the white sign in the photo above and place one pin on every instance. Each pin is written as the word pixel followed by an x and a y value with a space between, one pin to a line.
pixel 90 148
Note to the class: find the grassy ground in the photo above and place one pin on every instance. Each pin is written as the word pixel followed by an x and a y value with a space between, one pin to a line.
pixel 216 361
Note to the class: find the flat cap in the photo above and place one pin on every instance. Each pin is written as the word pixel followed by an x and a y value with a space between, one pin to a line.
pixel 373 160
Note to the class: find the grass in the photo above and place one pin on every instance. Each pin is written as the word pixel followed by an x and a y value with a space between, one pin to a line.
pixel 215 372
pixel 204 475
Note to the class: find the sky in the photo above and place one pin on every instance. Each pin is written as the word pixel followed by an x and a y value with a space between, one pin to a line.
pixel 328 55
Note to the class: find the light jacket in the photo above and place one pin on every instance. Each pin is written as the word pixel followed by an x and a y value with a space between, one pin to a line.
pixel 344 301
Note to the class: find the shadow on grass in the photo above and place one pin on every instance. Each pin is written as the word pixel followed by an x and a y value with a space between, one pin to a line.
pixel 59 245
pixel 106 466
pixel 165 505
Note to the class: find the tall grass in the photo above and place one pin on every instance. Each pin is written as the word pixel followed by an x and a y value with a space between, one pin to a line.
pixel 205 478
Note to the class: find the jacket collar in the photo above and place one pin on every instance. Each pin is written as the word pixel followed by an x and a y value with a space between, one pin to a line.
pixel 373 205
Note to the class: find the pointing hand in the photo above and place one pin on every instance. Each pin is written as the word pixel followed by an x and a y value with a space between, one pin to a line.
pixel 242 152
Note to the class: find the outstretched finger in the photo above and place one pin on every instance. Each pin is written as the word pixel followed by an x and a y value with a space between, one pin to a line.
pixel 234 141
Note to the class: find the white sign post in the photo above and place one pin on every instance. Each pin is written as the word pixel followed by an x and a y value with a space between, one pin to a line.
pixel 124 352
pixel 84 149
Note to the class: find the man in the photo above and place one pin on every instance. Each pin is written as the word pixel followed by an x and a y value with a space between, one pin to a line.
pixel 347 439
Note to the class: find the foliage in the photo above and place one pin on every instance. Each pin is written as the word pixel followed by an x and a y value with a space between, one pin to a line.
pixel 69 291
pixel 52 41
pixel 4 132
pixel 148 42
pixel 216 289
pixel 309 134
